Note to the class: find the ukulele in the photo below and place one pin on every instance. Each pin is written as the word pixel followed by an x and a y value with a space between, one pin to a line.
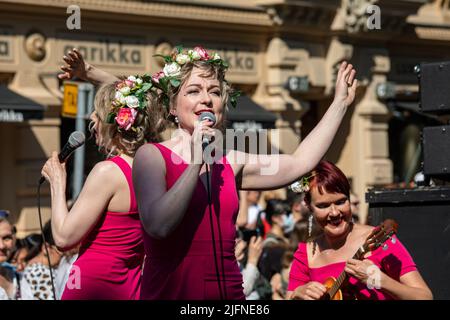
pixel 376 239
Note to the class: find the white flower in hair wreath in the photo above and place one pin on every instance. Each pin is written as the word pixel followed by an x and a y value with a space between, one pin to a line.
pixel 301 185
pixel 169 75
pixel 130 99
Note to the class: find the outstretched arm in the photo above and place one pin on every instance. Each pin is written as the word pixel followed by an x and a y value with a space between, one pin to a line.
pixel 76 67
pixel 273 171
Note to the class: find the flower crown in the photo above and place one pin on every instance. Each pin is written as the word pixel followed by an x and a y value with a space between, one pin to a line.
pixel 171 72
pixel 301 185
pixel 130 98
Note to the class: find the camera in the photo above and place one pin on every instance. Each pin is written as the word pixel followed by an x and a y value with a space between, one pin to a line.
pixel 247 234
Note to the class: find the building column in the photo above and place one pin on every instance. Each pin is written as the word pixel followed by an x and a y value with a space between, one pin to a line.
pixel 282 62
pixel 371 152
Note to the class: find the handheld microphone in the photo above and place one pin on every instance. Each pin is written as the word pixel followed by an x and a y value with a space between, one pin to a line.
pixel 75 141
pixel 211 117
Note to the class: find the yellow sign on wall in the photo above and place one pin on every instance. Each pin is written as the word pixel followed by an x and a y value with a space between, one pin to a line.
pixel 69 108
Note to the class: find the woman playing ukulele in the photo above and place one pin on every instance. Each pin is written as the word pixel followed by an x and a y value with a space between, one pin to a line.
pixel 387 272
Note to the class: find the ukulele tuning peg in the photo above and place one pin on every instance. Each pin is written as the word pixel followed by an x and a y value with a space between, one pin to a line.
pixel 385 247
pixel 393 240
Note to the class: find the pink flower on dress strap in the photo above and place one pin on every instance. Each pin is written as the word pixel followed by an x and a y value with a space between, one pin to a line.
pixel 126 117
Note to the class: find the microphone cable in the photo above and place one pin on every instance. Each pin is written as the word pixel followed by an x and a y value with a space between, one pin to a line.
pixel 44 240
pixel 213 237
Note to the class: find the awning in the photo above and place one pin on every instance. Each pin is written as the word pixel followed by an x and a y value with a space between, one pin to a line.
pixel 17 108
pixel 249 115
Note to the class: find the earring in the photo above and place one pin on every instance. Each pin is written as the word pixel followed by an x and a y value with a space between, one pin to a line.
pixel 176 120
pixel 310 218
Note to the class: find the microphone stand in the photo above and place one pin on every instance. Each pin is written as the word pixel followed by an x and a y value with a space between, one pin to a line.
pixel 212 231
pixel 43 237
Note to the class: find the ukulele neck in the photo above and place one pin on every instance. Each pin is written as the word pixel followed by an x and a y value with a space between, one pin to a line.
pixel 343 276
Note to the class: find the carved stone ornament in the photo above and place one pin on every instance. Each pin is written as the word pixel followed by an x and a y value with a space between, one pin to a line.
pixel 356 14
pixel 165 49
pixel 35 46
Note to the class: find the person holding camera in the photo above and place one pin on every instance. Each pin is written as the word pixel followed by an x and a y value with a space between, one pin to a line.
pixel 248 253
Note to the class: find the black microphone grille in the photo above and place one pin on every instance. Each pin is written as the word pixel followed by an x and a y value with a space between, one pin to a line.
pixel 76 139
pixel 208 115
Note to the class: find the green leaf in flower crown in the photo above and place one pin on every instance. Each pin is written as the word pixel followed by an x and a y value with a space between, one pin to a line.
pixel 167 59
pixel 146 77
pixel 142 102
pixel 111 118
pixel 175 82
pixel 233 97
pixel 166 101
pixel 179 48
pixel 233 102
pixel 146 86
pixel 164 82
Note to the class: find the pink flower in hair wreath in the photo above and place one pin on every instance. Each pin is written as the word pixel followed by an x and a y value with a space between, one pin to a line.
pixel 126 117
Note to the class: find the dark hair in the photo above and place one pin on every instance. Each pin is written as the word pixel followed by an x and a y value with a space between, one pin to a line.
pixel 35 241
pixel 275 207
pixel 294 197
pixel 299 234
pixel 327 177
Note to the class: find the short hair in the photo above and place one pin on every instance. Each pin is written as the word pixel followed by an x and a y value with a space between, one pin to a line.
pixel 327 177
pixel 275 207
pixel 294 197
pixel 38 241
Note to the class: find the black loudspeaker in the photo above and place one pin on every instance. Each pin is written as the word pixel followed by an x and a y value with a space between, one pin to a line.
pixel 434 87
pixel 436 150
pixel 423 215
pixel 435 97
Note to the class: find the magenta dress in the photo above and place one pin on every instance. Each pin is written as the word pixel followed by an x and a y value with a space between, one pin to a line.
pixel 110 259
pixel 181 266
pixel 394 260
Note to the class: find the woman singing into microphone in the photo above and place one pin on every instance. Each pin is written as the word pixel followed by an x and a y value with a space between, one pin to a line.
pixel 105 218
pixel 189 244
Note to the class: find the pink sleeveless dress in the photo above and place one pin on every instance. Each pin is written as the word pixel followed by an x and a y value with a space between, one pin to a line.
pixel 182 266
pixel 393 259
pixel 110 260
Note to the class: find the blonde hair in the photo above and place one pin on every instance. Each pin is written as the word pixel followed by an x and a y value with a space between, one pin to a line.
pixel 112 141
pixel 210 70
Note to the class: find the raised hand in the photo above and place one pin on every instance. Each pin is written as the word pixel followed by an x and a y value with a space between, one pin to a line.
pixel 202 128
pixel 75 66
pixel 345 84
pixel 362 270
pixel 54 171
pixel 239 249
pixel 255 249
